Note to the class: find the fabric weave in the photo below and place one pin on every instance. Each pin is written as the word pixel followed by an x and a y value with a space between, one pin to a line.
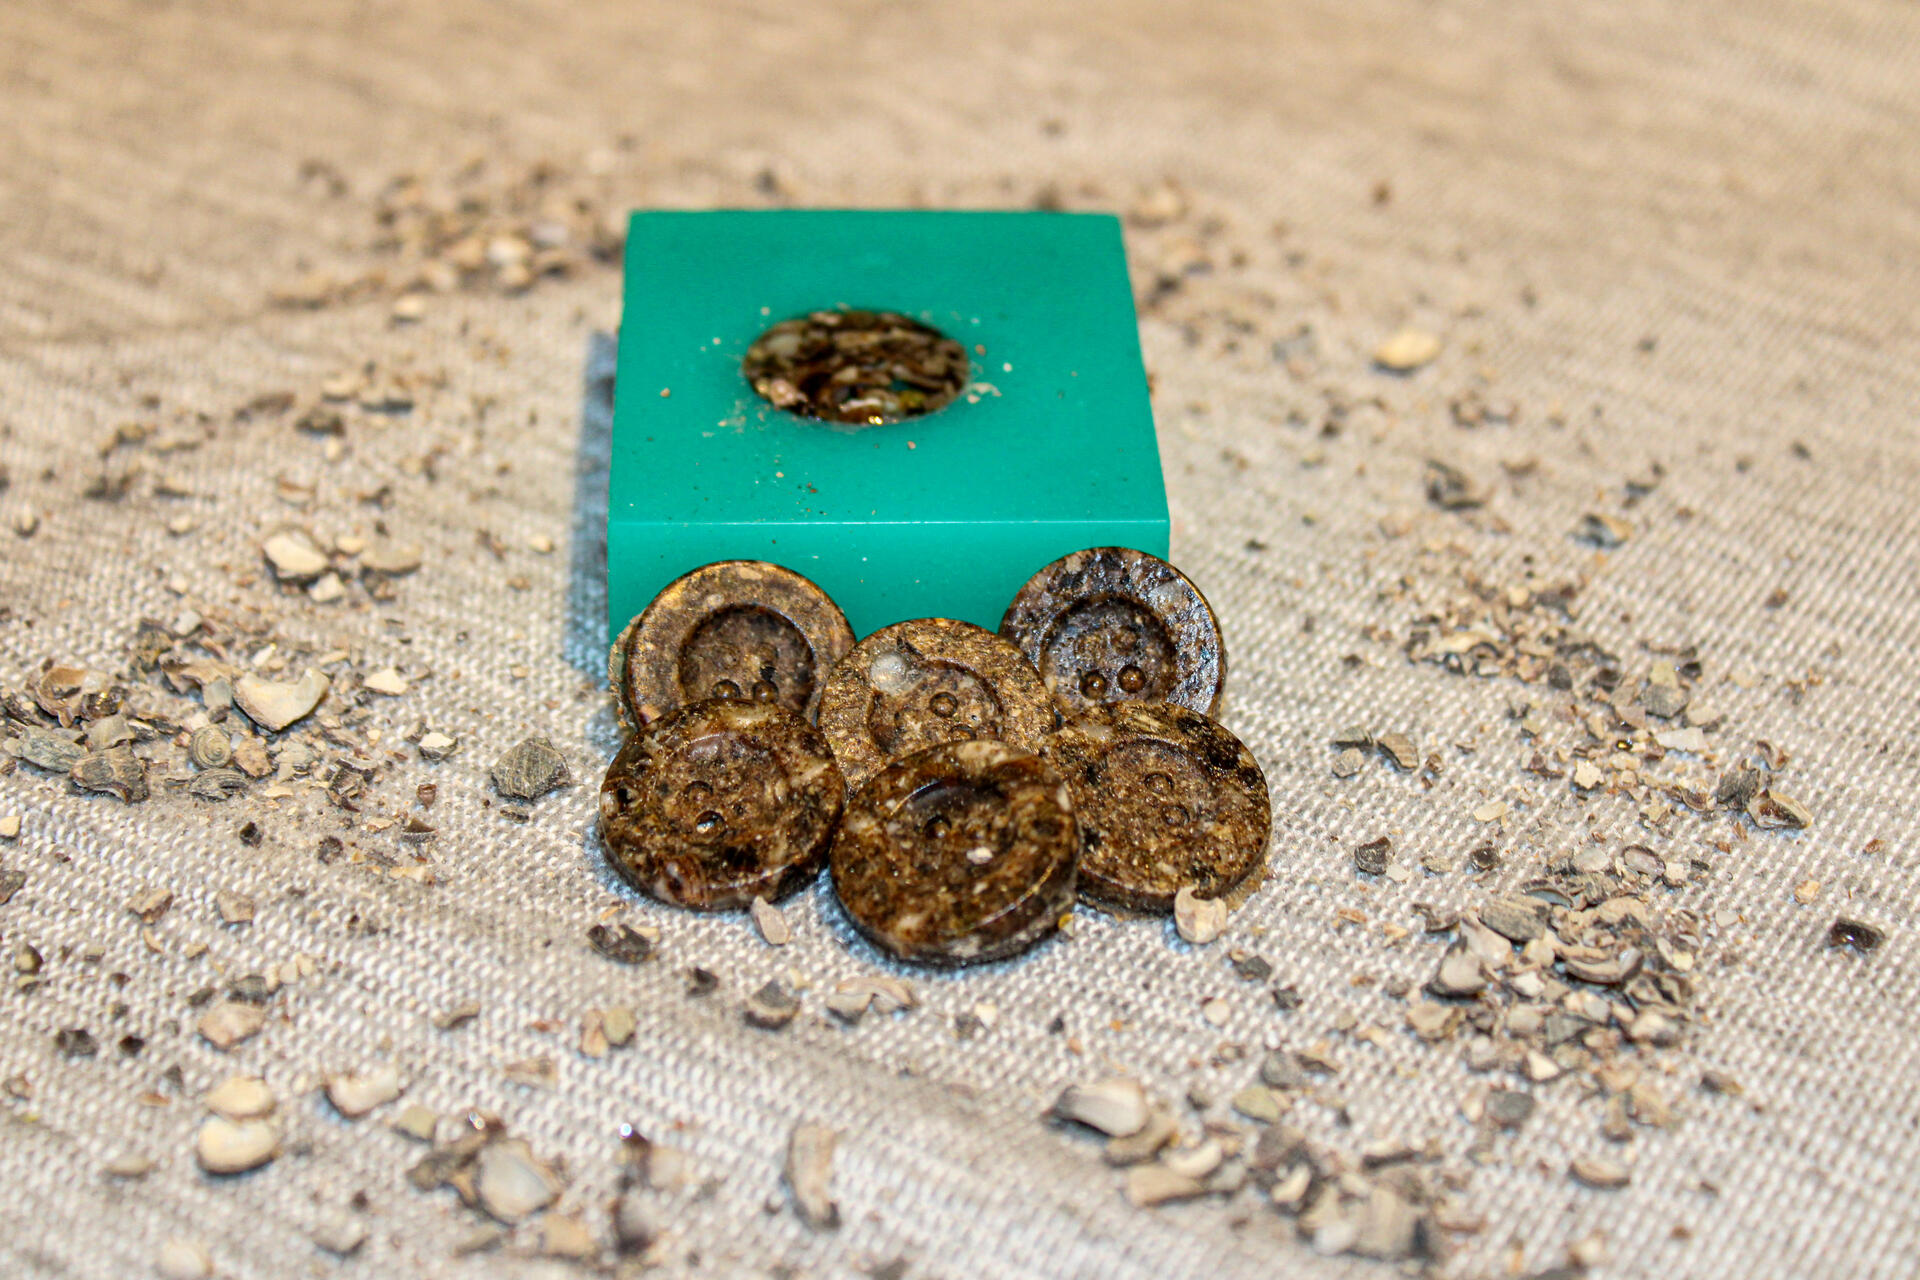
pixel 1647 237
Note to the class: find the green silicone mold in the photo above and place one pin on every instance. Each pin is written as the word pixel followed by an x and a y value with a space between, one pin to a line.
pixel 1051 449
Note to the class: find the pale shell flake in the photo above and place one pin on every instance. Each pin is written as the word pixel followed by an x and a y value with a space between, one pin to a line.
pixel 294 557
pixel 240 1098
pixel 354 1094
pixel 234 1146
pixel 275 704
pixel 511 1184
pixel 809 1174
pixel 209 748
pixel 1116 1107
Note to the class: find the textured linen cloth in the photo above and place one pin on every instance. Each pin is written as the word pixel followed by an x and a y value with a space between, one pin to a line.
pixel 1658 243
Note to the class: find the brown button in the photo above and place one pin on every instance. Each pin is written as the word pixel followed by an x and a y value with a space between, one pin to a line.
pixel 736 629
pixel 721 802
pixel 958 854
pixel 1111 624
pixel 1167 799
pixel 860 368
pixel 931 680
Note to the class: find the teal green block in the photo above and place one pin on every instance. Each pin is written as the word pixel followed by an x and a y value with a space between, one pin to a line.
pixel 945 515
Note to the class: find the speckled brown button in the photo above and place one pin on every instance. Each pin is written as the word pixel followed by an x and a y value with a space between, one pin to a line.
pixel 958 854
pixel 1112 624
pixel 858 368
pixel 735 629
pixel 1167 799
pixel 721 802
pixel 931 680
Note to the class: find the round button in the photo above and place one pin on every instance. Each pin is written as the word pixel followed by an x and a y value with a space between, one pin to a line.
pixel 858 368
pixel 740 629
pixel 917 684
pixel 720 802
pixel 1111 624
pixel 1167 799
pixel 958 854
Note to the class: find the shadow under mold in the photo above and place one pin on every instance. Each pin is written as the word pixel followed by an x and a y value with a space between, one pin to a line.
pixel 584 643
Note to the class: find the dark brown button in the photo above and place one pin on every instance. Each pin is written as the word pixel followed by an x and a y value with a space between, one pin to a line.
pixel 1167 799
pixel 721 802
pixel 1111 624
pixel 917 684
pixel 861 368
pixel 958 854
pixel 736 629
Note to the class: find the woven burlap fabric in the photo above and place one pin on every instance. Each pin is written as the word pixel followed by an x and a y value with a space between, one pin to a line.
pixel 1675 239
